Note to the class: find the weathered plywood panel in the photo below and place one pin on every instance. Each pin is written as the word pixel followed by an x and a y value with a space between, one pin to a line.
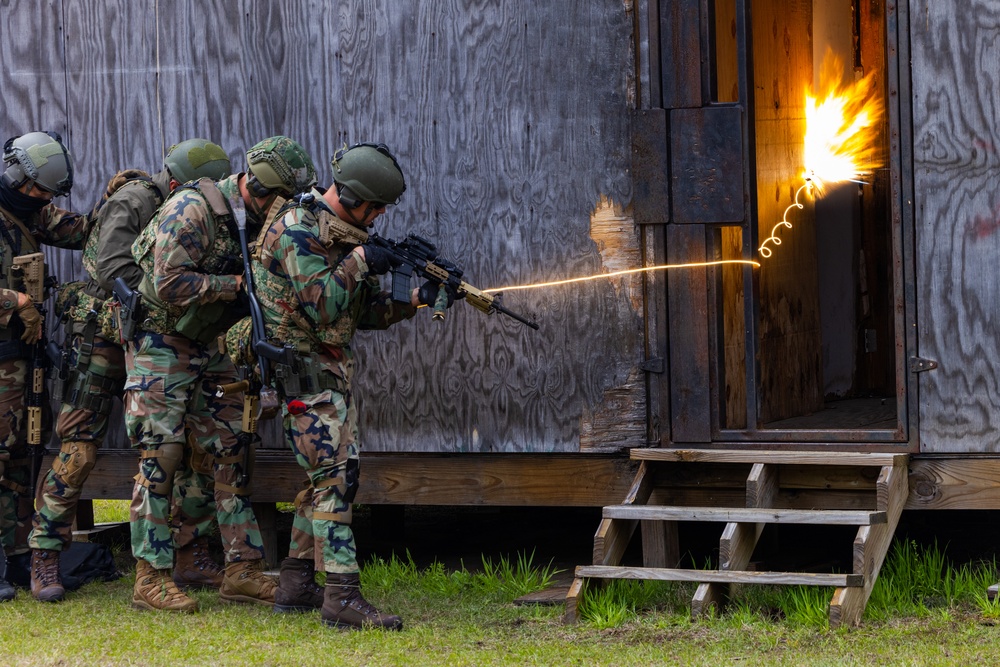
pixel 511 121
pixel 956 135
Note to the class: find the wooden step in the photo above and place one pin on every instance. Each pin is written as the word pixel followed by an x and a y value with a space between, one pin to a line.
pixel 769 456
pixel 745 515
pixel 720 576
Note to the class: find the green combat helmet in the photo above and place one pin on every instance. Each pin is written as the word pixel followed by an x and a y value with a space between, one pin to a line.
pixel 281 164
pixel 40 158
pixel 197 158
pixel 367 173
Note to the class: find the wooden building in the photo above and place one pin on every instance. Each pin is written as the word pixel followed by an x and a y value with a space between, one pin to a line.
pixel 551 140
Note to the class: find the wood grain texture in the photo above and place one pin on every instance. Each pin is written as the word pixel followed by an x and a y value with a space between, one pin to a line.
pixel 956 135
pixel 511 122
pixel 736 576
pixel 790 363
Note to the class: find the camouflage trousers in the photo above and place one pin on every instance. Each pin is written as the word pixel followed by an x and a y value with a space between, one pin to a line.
pixel 170 407
pixel 81 428
pixel 15 459
pixel 324 439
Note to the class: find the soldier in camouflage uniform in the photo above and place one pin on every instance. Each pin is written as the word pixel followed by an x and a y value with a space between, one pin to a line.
pixel 96 372
pixel 37 168
pixel 192 264
pixel 316 289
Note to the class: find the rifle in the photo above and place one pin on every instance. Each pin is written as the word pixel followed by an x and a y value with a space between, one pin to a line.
pixel 415 254
pixel 31 271
pixel 260 398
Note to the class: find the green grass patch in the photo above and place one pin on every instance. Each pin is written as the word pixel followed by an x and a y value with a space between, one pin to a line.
pixel 925 611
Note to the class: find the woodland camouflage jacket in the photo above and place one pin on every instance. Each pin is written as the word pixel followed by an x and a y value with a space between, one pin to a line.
pixel 315 296
pixel 188 256
pixel 52 226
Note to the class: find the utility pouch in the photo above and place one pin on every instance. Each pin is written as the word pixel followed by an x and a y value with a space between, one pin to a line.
pixel 204 322
pixel 59 358
pixel 303 377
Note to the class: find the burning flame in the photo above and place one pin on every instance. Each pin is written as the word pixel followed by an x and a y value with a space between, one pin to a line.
pixel 842 124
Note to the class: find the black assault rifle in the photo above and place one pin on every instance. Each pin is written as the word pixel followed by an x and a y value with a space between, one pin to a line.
pixel 30 269
pixel 415 254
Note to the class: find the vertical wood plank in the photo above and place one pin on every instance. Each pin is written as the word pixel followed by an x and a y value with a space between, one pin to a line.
pixel 956 156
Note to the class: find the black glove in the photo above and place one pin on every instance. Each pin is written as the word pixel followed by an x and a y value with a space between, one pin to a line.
pixel 428 293
pixel 379 259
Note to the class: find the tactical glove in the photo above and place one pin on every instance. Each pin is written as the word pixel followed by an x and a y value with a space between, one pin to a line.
pixel 428 293
pixel 31 319
pixel 379 259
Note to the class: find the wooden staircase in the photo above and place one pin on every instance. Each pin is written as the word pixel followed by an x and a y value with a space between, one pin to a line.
pixel 867 490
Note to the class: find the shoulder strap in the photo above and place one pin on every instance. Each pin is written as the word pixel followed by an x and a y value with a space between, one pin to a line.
pixel 216 201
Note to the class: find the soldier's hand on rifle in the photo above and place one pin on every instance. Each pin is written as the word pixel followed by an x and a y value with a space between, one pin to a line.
pixel 31 319
pixel 428 293
pixel 378 259
pixel 232 296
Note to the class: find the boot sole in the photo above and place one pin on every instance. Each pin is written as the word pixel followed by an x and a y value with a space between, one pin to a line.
pixel 145 606
pixel 196 587
pixel 50 597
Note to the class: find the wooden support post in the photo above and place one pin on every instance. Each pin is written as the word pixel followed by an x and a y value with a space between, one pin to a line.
pixel 267 519
pixel 613 535
pixel 739 539
pixel 572 613
pixel 660 547
pixel 870 548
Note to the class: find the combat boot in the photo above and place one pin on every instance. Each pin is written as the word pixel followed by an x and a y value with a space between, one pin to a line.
pixel 194 567
pixel 246 582
pixel 155 589
pixel 297 587
pixel 45 583
pixel 344 607
pixel 7 592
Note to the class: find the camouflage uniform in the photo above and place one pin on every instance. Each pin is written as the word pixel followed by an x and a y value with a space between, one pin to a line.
pixel 96 359
pixel 189 259
pixel 53 226
pixel 315 297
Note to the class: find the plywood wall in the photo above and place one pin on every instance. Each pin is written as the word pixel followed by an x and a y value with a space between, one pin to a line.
pixel 956 205
pixel 511 123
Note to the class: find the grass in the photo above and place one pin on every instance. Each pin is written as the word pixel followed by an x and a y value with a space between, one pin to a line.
pixel 924 610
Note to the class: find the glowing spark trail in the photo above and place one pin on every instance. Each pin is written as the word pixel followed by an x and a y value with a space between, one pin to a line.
pixel 645 269
pixel 842 125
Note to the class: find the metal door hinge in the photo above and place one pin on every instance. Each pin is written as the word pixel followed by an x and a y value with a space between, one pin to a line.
pixel 919 364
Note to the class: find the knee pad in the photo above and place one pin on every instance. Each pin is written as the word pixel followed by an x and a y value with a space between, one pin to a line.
pixel 76 460
pixel 157 468
pixel 200 460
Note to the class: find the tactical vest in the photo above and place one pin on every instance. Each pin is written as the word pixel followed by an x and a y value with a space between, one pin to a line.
pixel 277 295
pixel 13 230
pixel 201 322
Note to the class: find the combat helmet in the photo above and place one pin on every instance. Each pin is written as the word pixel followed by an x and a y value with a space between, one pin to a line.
pixel 197 158
pixel 367 173
pixel 39 158
pixel 279 164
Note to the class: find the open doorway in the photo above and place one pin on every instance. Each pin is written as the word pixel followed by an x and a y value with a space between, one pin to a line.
pixel 808 342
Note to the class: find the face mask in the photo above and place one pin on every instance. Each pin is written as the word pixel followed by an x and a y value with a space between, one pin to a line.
pixel 19 203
